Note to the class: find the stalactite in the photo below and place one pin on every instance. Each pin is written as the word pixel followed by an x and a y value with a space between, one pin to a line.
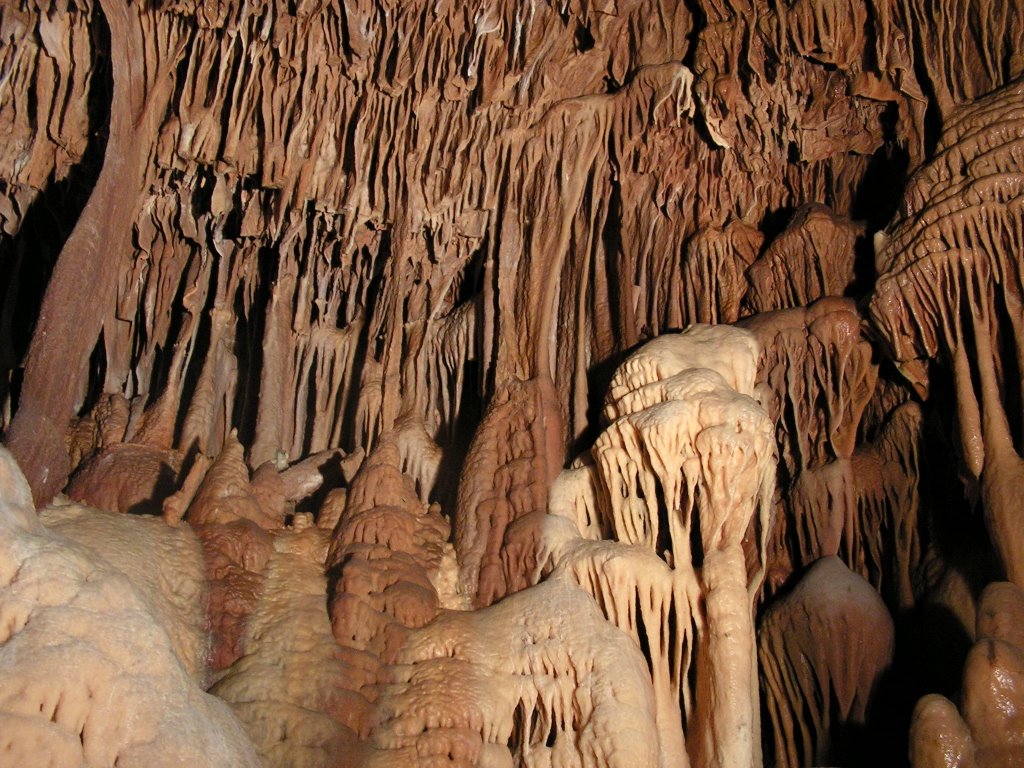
pixel 814 257
pixel 93 253
pixel 684 474
pixel 816 377
pixel 949 286
pixel 390 264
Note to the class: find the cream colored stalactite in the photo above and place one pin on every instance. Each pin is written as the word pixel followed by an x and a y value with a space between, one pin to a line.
pixel 686 450
pixel 658 607
pixel 729 352
pixel 737 462
pixel 574 496
pixel 539 679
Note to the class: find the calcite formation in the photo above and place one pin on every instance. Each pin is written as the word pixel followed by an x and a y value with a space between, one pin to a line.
pixel 824 649
pixel 985 730
pixel 683 478
pixel 950 285
pixel 561 382
pixel 100 656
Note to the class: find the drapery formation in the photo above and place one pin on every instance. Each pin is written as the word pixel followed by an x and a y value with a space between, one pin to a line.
pixel 499 383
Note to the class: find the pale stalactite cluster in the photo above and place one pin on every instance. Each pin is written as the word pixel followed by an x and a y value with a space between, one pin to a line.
pixel 307 307
pixel 539 679
pixel 683 476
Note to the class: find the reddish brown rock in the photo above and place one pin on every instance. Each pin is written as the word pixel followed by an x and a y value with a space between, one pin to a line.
pixel 823 649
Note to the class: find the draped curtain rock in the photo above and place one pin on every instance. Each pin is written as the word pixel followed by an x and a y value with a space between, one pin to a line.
pixel 490 383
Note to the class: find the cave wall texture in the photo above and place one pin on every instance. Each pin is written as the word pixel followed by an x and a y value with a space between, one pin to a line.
pixel 512 382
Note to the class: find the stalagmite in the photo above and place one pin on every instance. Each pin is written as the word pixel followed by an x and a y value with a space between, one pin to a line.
pixel 824 649
pixel 287 686
pixel 89 654
pixel 235 528
pixel 512 461
pixel 385 555
pixel 986 731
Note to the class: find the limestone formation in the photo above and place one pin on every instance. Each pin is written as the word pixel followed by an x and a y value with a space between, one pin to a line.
pixel 986 731
pixel 824 649
pixel 683 477
pixel 816 377
pixel 99 658
pixel 463 383
pixel 950 286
